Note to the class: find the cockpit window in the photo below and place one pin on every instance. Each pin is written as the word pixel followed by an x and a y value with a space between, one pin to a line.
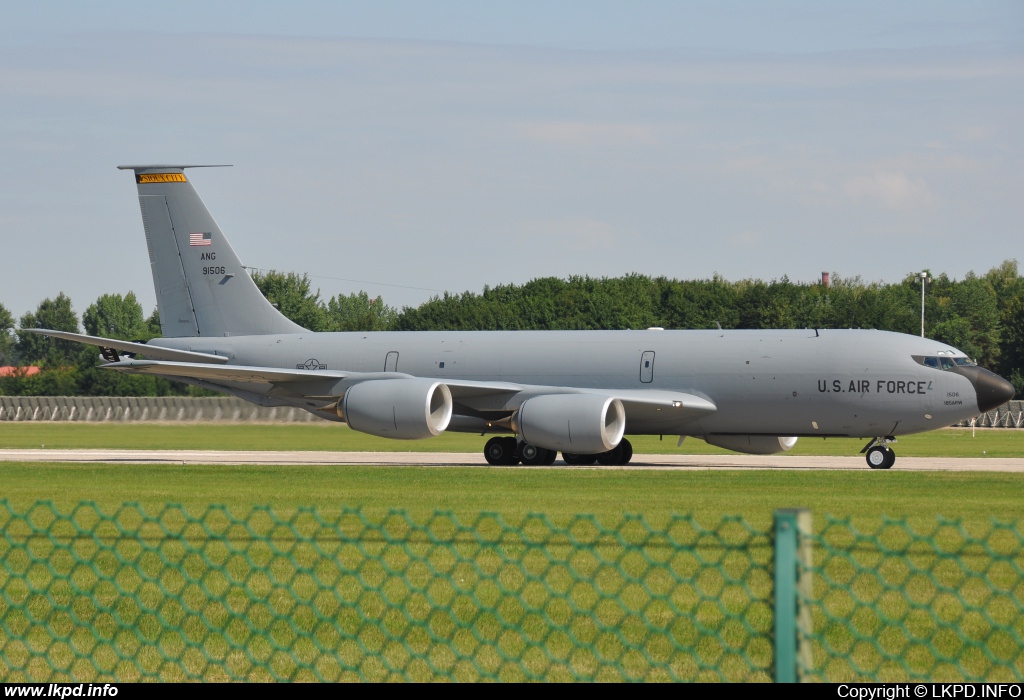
pixel 943 361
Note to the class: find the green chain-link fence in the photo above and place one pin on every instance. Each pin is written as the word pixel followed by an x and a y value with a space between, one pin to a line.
pixel 87 595
pixel 935 602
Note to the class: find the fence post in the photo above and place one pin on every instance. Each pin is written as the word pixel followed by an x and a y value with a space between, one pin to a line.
pixel 792 591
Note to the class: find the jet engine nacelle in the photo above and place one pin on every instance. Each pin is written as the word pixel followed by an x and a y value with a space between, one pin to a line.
pixel 577 423
pixel 752 444
pixel 405 409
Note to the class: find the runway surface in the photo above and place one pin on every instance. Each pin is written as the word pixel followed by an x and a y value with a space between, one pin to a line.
pixel 474 459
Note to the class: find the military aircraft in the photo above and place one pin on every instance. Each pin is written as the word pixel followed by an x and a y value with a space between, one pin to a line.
pixel 538 392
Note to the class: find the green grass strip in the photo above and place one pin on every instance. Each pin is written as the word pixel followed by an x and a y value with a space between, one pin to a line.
pixel 974 497
pixel 949 442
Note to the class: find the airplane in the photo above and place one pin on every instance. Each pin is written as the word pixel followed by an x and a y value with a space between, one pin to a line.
pixel 538 392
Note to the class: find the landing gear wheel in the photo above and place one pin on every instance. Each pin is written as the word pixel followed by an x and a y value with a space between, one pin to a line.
pixel 494 451
pixel 618 455
pixel 549 457
pixel 531 455
pixel 528 453
pixel 627 451
pixel 512 456
pixel 612 456
pixel 578 460
pixel 881 457
pixel 501 451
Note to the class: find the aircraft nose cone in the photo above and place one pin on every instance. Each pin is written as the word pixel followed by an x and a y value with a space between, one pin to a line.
pixel 991 389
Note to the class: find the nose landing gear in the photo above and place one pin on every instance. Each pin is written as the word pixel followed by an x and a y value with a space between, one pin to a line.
pixel 878 453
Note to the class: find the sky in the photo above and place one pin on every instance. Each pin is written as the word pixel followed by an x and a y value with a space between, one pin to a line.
pixel 409 148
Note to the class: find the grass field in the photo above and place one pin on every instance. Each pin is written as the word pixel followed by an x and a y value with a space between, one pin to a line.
pixel 949 442
pixel 606 493
pixel 975 497
pixel 173 593
pixel 214 601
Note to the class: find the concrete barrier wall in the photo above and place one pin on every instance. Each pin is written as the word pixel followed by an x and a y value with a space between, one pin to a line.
pixel 1009 415
pixel 183 408
pixel 148 408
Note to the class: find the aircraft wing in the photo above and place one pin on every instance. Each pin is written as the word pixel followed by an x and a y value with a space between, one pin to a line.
pixel 241 373
pixel 640 404
pixel 659 398
pixel 657 405
pixel 643 405
pixel 154 351
pixel 295 381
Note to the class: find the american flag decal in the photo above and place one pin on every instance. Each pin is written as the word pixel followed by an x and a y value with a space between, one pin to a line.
pixel 200 239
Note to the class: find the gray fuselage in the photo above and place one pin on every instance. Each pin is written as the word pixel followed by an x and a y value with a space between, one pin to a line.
pixel 855 383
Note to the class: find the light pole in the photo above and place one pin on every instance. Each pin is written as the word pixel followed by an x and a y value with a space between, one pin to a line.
pixel 923 276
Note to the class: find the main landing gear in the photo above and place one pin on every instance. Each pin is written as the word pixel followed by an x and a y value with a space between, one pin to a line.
pixel 507 451
pixel 501 451
pixel 878 453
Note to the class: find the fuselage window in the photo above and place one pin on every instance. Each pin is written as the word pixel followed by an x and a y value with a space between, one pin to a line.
pixel 943 362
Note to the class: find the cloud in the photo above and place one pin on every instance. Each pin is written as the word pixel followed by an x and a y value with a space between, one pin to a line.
pixel 895 190
pixel 748 164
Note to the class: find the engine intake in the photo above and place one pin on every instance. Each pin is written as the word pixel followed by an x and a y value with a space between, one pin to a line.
pixel 576 423
pixel 405 409
pixel 752 444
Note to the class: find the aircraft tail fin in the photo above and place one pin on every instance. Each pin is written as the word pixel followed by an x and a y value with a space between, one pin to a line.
pixel 201 287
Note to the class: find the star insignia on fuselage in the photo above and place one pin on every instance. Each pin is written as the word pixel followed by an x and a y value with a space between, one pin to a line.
pixel 311 363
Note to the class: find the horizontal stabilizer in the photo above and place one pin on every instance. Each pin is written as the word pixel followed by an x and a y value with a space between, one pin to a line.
pixel 151 351
pixel 165 166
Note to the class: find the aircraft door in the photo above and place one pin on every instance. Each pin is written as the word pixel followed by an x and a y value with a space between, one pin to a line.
pixel 391 362
pixel 647 367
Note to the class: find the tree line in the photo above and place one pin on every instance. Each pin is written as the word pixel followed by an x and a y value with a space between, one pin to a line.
pixel 983 315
